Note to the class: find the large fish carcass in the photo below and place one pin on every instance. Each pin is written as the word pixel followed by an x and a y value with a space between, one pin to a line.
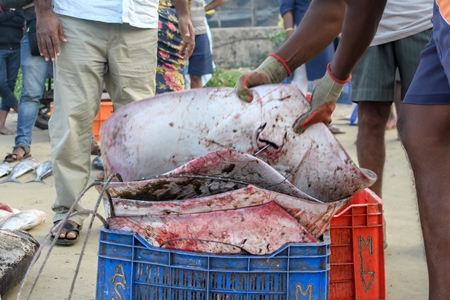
pixel 197 138
pixel 17 249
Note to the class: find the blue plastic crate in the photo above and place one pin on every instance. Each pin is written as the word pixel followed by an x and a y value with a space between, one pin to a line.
pixel 129 268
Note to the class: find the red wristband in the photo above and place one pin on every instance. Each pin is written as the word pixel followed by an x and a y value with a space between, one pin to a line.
pixel 337 79
pixel 281 61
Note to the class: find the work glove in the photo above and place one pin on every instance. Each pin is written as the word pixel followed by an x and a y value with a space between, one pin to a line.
pixel 273 70
pixel 323 101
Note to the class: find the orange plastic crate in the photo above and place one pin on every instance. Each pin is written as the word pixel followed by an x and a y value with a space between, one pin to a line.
pixel 105 110
pixel 357 249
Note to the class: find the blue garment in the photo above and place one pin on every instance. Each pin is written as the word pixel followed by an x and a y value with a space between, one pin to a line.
pixel 431 83
pixel 298 8
pixel 34 73
pixel 317 66
pixel 201 62
pixel 9 68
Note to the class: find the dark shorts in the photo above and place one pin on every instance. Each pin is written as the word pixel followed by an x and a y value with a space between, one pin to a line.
pixel 375 74
pixel 431 85
pixel 200 62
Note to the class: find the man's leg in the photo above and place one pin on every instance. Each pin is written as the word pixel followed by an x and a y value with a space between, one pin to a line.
pixel 9 66
pixel 370 145
pixel 200 62
pixel 131 69
pixel 196 81
pixel 424 131
pixel 373 90
pixel 34 74
pixel 77 92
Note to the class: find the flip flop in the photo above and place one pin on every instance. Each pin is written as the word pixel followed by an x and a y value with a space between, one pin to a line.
pixel 70 228
pixel 13 156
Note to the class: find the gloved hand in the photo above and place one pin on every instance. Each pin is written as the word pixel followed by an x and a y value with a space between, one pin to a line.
pixel 323 101
pixel 273 70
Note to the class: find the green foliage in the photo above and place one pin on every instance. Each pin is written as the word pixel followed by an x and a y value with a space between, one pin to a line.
pixel 277 38
pixel 18 87
pixel 223 77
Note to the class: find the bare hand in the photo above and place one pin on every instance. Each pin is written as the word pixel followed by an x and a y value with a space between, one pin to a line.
pixel 49 32
pixel 188 35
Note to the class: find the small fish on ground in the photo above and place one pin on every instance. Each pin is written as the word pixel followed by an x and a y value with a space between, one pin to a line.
pixel 22 168
pixel 5 168
pixel 24 220
pixel 4 214
pixel 44 170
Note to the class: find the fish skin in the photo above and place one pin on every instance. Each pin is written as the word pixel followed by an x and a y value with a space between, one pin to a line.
pixel 5 168
pixel 188 124
pixel 259 229
pixel 24 220
pixel 43 170
pixel 17 249
pixel 4 215
pixel 21 168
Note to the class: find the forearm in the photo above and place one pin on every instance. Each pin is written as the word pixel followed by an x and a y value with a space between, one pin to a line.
pixel 6 16
pixel 327 18
pixel 318 28
pixel 182 8
pixel 288 20
pixel 360 26
pixel 214 4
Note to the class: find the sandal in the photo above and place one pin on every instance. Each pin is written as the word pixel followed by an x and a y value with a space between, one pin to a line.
pixel 70 228
pixel 14 156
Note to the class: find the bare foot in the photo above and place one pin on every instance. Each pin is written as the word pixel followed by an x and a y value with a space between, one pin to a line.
pixel 65 233
pixel 6 131
pixel 391 123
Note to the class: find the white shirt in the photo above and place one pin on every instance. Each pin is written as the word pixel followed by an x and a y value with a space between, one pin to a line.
pixel 137 13
pixel 403 18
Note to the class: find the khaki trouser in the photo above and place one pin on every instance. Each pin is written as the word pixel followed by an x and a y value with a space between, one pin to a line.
pixel 117 55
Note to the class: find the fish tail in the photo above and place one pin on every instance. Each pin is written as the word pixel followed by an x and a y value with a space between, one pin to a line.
pixel 36 180
pixel 9 179
pixel 12 179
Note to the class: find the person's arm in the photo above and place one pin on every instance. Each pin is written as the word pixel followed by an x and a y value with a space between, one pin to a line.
pixel 327 18
pixel 7 16
pixel 14 3
pixel 288 24
pixel 49 30
pixel 287 13
pixel 214 4
pixel 186 28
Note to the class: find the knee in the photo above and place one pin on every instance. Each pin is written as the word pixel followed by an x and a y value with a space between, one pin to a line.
pixel 373 119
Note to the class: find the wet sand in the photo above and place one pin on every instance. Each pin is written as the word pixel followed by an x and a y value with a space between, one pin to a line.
pixel 406 276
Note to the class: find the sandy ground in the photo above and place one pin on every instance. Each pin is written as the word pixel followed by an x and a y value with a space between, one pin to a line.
pixel 406 276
